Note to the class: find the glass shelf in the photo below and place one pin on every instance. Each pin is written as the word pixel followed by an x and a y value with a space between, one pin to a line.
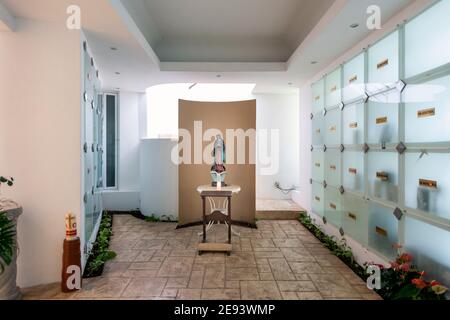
pixel 427 185
pixel 355 218
pixel 333 127
pixel 333 168
pixel 318 124
pixel 429 246
pixel 383 63
pixel 426 40
pixel 354 87
pixel 383 230
pixel 318 164
pixel 383 175
pixel 353 124
pixel 382 122
pixel 333 210
pixel 333 88
pixel 318 194
pixel 353 170
pixel 427 111
pixel 318 96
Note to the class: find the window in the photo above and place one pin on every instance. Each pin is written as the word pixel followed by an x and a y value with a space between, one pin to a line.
pixel 111 140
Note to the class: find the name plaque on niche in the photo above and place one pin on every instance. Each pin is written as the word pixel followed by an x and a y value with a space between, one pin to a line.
pixel 425 113
pixel 382 64
pixel 381 231
pixel 353 125
pixel 334 88
pixel 333 206
pixel 332 128
pixel 428 183
pixel 352 170
pixel 317 98
pixel 332 167
pixel 383 176
pixel 352 216
pixel 317 164
pixel 353 79
pixel 318 131
pixel 382 120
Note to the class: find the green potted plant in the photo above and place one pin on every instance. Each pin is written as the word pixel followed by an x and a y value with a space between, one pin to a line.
pixel 9 212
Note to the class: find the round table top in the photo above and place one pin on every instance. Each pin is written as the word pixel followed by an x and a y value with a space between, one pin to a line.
pixel 208 187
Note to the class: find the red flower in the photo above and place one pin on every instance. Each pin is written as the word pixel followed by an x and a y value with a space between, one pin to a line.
pixel 435 283
pixel 419 283
pixel 422 273
pixel 406 257
pixel 404 267
pixel 394 265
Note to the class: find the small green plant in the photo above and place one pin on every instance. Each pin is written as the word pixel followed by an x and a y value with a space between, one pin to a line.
pixel 7 233
pixel 163 218
pixel 152 218
pixel 100 252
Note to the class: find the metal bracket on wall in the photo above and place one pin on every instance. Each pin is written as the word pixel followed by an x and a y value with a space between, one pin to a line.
pixel 401 148
pixel 366 148
pixel 310 181
pixel 341 189
pixel 324 184
pixel 324 112
pixel 342 148
pixel 324 148
pixel 85 198
pixel 324 219
pixel 85 147
pixel 341 231
pixel 312 116
pixel 398 213
pixel 341 106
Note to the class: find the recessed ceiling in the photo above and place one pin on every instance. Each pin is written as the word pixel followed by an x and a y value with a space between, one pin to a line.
pixel 226 31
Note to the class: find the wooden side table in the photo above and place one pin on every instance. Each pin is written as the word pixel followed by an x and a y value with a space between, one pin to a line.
pixel 218 214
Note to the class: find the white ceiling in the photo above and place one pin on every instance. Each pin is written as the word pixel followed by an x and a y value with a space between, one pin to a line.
pixel 232 30
pixel 141 35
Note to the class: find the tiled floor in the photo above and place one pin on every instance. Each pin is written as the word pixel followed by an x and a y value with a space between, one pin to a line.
pixel 279 260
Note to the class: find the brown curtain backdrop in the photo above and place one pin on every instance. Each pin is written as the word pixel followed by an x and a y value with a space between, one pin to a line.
pixel 222 116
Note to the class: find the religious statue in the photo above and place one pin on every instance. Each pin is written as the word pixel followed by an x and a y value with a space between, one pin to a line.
pixel 218 171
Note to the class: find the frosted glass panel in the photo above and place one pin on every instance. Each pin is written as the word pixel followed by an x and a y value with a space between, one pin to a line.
pixel 427 111
pixel 383 230
pixel 429 247
pixel 353 170
pixel 427 185
pixel 383 175
pixel 333 127
pixel 426 40
pixel 333 210
pixel 333 88
pixel 318 200
pixel 318 124
pixel 354 78
pixel 353 124
pixel 333 167
pixel 355 218
pixel 318 98
pixel 382 122
pixel 318 165
pixel 383 64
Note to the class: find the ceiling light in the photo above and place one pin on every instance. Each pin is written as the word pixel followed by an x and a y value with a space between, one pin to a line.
pixel 313 62
pixel 354 25
pixel 117 72
pixel 219 76
pixel 290 83
pixel 113 48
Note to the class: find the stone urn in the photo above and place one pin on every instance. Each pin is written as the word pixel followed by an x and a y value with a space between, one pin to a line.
pixel 8 286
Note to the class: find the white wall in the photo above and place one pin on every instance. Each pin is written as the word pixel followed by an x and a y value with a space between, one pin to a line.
pixel 126 197
pixel 40 145
pixel 279 112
